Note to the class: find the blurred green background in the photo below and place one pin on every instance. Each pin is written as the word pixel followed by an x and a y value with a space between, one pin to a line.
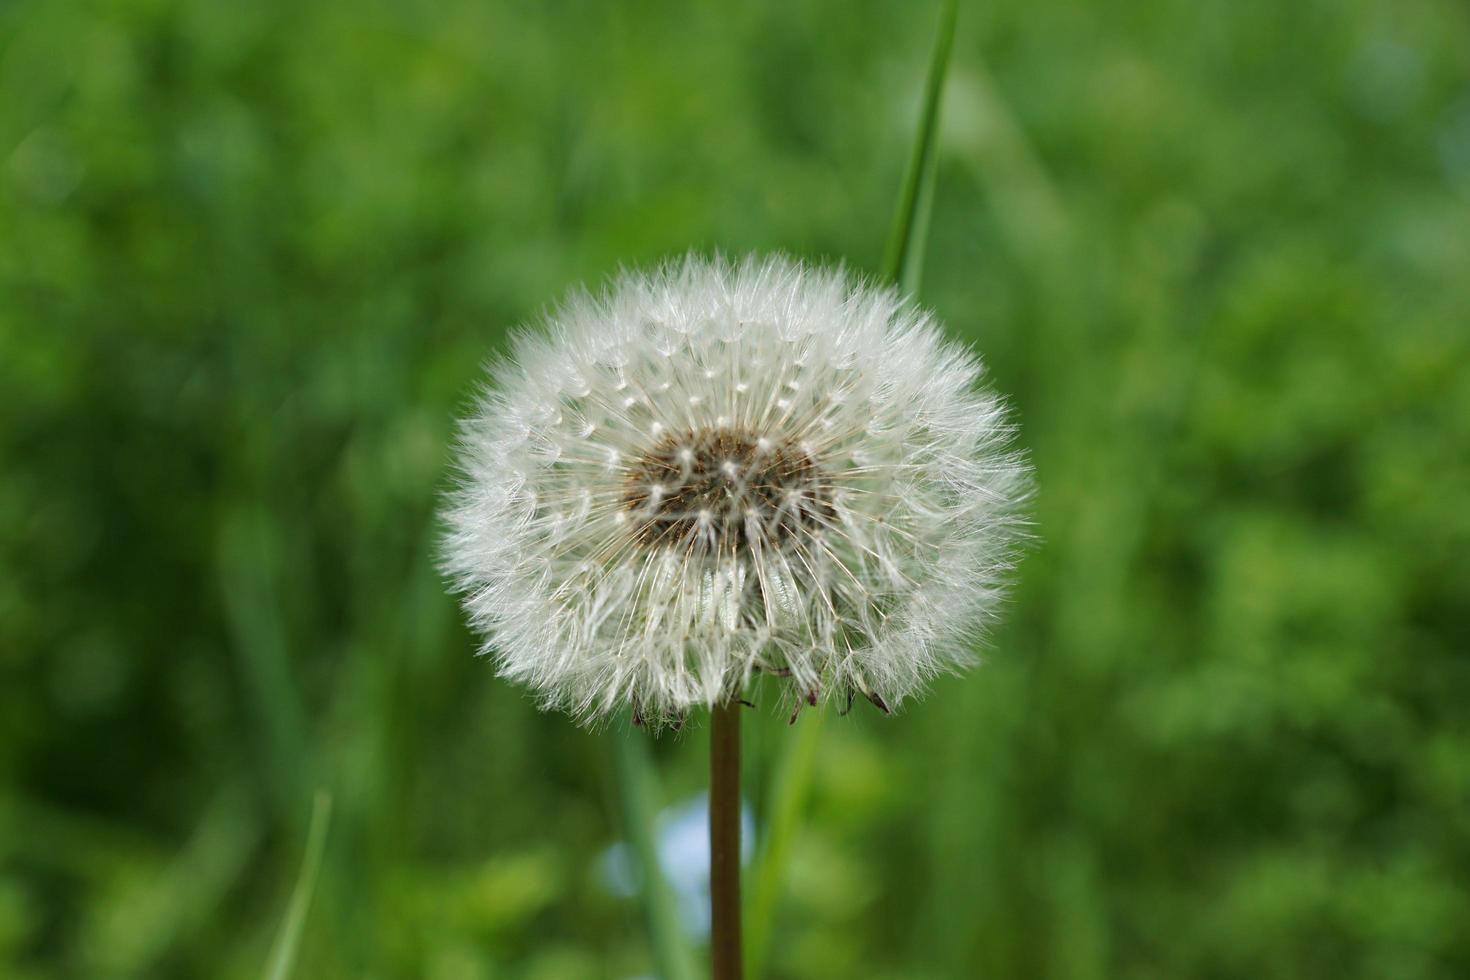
pixel 253 255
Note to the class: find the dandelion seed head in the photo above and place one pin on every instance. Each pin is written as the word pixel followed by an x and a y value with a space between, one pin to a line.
pixel 718 468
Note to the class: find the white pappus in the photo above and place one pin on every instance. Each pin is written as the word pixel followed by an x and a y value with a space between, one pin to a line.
pixel 718 468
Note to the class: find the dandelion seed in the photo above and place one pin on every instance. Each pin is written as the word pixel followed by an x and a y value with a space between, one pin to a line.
pixel 716 469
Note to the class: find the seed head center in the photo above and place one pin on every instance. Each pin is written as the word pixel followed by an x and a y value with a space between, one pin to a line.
pixel 724 489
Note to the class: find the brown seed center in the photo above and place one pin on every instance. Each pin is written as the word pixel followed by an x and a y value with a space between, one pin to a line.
pixel 724 489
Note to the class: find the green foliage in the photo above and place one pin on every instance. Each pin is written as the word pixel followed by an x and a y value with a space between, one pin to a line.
pixel 252 256
pixel 288 939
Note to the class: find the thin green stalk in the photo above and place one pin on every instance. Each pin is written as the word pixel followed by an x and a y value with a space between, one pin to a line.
pixel 788 794
pixel 283 953
pixel 250 566
pixel 904 257
pixel 903 263
pixel 637 792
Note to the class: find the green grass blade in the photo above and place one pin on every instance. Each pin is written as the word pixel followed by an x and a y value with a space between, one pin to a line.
pixel 637 792
pixel 250 563
pixel 283 953
pixel 788 794
pixel 903 263
pixel 903 259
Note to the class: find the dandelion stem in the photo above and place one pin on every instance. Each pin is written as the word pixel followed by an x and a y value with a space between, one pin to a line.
pixel 724 841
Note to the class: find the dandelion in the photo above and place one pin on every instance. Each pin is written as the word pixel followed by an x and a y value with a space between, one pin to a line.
pixel 714 470
pixel 718 469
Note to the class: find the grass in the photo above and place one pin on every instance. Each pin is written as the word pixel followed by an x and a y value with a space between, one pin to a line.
pixel 288 940
pixel 252 258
